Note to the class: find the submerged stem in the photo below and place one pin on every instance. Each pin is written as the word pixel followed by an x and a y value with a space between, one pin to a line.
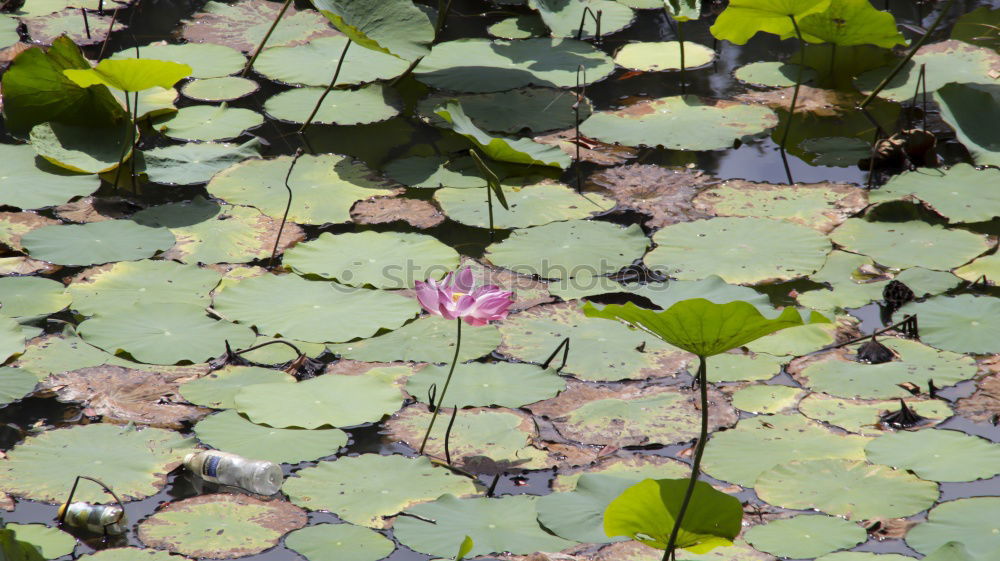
pixel 447 381
pixel 333 82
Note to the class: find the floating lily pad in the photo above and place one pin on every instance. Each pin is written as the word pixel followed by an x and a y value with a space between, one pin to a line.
pixel 796 341
pixel 242 26
pixel 963 324
pixel 363 106
pixel 946 61
pixel 133 462
pixel 221 526
pixel 971 109
pixel 774 74
pixel 208 122
pixel 339 542
pixel 633 467
pixel 863 416
pixel 636 551
pixel 769 399
pixel 514 111
pixel 579 515
pixel 740 250
pixel 904 244
pixel 479 385
pixel 563 18
pixel 15 383
pixel 481 65
pixel 32 296
pixel 230 432
pixel 46 29
pixel 988 266
pixel 863 556
pixel 969 521
pixel 98 242
pixel 435 171
pixel 960 194
pixel 806 536
pixel 186 164
pixel 314 63
pixel 938 455
pixel 81 149
pixel 29 181
pixel 518 27
pixel 52 354
pixel 680 123
pixel 123 285
pixel 428 339
pixel 207 60
pixel 841 272
pixel 665 55
pixel 226 88
pixel 367 488
pixel 218 389
pixel 50 542
pixel 530 205
pixel 131 554
pixel 730 367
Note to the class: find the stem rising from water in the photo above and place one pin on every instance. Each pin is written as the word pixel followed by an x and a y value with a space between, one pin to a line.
pixel 447 381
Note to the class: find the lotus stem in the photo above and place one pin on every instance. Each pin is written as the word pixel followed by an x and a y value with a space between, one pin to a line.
pixel 288 207
pixel 489 206
pixel 798 82
pixel 444 6
pixel 447 381
pixel 336 74
pixel 680 41
pixel 86 24
pixel 125 144
pixel 696 462
pixel 447 434
pixel 263 42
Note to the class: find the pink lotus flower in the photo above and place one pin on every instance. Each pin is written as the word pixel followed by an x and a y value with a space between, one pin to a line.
pixel 455 297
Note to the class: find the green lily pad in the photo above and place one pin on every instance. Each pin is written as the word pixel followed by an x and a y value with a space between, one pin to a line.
pixel 396 27
pixel 773 74
pixel 481 385
pixel 220 525
pixel 988 266
pixel 52 354
pixel 853 489
pixel 796 341
pixel 97 242
pixel 230 432
pixel 15 383
pixel 30 181
pixel 512 112
pixel 207 60
pixel 680 123
pixel 131 74
pixel 637 551
pixel 339 542
pixel 971 109
pixel 960 194
pixel 81 149
pixel 711 288
pixel 226 88
pixel 8 31
pixel 187 164
pixel 366 489
pixel 208 122
pixel 132 554
pixel 863 556
pixel 768 399
pixel 242 26
pixel 50 542
pixel 435 171
pixel 579 515
pixel 133 462
pixel 529 205
pixel 664 55
pixel 743 19
pixel 863 416
pixel 740 250
pixel 837 151
pixel 851 22
pixel 963 324
pixel 518 27
pixel 730 367
pixel 123 285
pixel 806 536
pixel 946 61
pixel 314 63
pixel 218 389
pixel 363 106
pixel 32 296
pixel 46 29
pixel 481 65
pixel 563 18
pixel 904 244
pixel 938 455
pixel 428 339
pixel 970 521
pixel 379 259
pixel 495 525
pixel 841 272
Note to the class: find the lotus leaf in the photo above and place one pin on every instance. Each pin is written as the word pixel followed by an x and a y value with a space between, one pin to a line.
pixel 563 18
pixel 435 171
pixel 226 88
pixel 514 111
pixel 8 31
pixel 369 104
pixel 366 489
pixel 218 389
pixel 711 288
pixel 315 62
pixel 50 542
pixel 863 416
pixel 229 431
pixel 518 27
pixel 30 181
pixel 904 244
pixel 847 293
pixel 850 22
pixel 132 554
pixel 123 285
pixel 963 324
pixel 636 551
pixel 243 25
pixel 971 109
pixel 206 60
pixel 774 74
pixel 428 339
pixel 339 542
pixel 15 383
pixel 481 385
pixel 797 341
pixel 32 296
pixel 153 102
pixel 743 19
pixel 208 122
pixel 938 455
pixel 98 242
pixel 130 75
pixel 52 354
pixel 187 164
pixel 46 29
pixel 944 62
pixel 970 521
pixel 517 151
pixel 579 515
pixel 729 367
pixel 660 56
pixel 863 556
pixel 81 149
pixel 768 399
pixel 806 536
pixel 960 194
pixel 988 266
pixel 530 205
pixel 974 27
pixel 396 27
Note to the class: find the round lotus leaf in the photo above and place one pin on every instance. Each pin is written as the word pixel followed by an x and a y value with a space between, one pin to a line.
pixel 331 400
pixel 314 63
pixel 968 521
pixel 207 60
pixel 562 249
pixel 759 443
pixel 230 432
pixel 339 542
pixel 220 526
pixel 847 293
pixel 711 288
pixel 658 56
pixel 774 74
pixel 730 367
pixel 314 311
pixel 796 341
pixel 518 27
pixel 32 296
pixel 52 354
pixel 194 162
pixel 568 19
pixel 636 551
pixel 49 542
pixel 379 259
pixel 29 181
pixel 505 524
pixel 905 244
pixel 961 194
pixel 634 467
pixel 740 250
pixel 863 556
pixel 428 339
pixel 937 455
pixel 806 536
pixel 366 105
pixel 131 554
pixel 133 462
pixel 161 333
pixel 971 109
pixel 854 489
pixel 481 65
pixel 839 374
pixel 944 62
pixel 435 171
pixel 514 111
pixel 503 436
pixel 244 25
pixel 11 338
pixel 863 416
pixel 988 266
pixel 769 399
pixel 226 88
pixel 113 288
pixel 480 385
pixel 97 242
pixel 208 122
pixel 680 123
pixel 324 187
pixel 963 323
pixel 218 389
pixel 81 149
pixel 600 350
pixel 15 383
pixel 367 488
pixel 530 205
pixel 579 514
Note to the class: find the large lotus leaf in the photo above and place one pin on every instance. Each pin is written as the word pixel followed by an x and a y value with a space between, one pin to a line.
pixel 904 244
pixel 850 22
pixel 969 521
pixel 514 150
pixel 944 62
pixel 32 296
pixel 206 60
pixel 767 398
pixel 123 285
pixel 369 104
pixel 632 467
pixel 731 367
pixel 579 515
pixel 740 250
pixel 937 455
pixel 379 259
pixel 514 111
pixel 988 266
pixel 331 400
pixel 743 19
pixel 798 341
pixel 324 188
pixel 563 249
pixel 313 311
pixel 30 181
pixel 840 272
pixel 15 383
pixel 530 205
pixel 396 27
pixel 598 350
pixel 8 31
pixel 428 339
pixel 186 164
pixel 97 242
pixel 208 122
pixel 220 526
pixel 971 109
pixel 563 18
pixel 133 462
pixel 961 194
pixel 79 148
pixel 760 443
pixel 161 333
pixel 46 29
pixel 711 288
pixel 131 74
pixel 339 542
pixel 226 88
pixel 219 388
pixel 435 171
pixel 774 74
pixel 978 27
pixel 367 488
pixel 964 323
pixel 481 65
pixel 506 524
pixel 666 55
pixel 230 432
pixel 314 63
pixel 636 551
pixel 680 123
pixel 50 542
pixel 131 554
pixel 481 385
pixel 243 25
pixel 52 354
pixel 864 416
pixel 837 373
pixel 806 535
pixel 522 26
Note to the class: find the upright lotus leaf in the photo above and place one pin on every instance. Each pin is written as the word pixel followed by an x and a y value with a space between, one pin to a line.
pixel 743 19
pixel 130 75
pixel 970 521
pixel 850 22
pixel 646 512
pixel 806 536
pixel 563 17
pixel 397 27
pixel 517 151
pixel 683 10
pixel 973 110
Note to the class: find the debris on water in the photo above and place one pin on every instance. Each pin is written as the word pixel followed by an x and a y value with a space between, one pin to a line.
pixel 874 352
pixel 904 418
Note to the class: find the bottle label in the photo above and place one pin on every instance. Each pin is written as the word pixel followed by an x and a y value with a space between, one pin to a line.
pixel 211 466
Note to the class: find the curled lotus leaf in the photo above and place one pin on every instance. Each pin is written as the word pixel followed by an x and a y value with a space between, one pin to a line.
pixel 971 109
pixel 130 75
pixel 395 27
pixel 514 111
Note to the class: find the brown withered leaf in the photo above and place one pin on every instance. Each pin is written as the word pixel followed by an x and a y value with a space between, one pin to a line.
pixel 822 102
pixel 242 25
pixel 13 225
pixel 528 292
pixel 983 406
pixel 383 210
pixel 593 151
pixel 22 266
pixel 665 194
pixel 888 528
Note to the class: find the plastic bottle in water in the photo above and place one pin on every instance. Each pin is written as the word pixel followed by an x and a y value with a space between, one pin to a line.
pixel 257 476
pixel 98 519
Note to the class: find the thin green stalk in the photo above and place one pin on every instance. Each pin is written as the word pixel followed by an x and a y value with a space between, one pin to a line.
pixel 135 138
pixel 260 47
pixel 489 205
pixel 696 463
pixel 336 74
pixel 798 82
pixel 680 40
pixel 447 381
pixel 126 144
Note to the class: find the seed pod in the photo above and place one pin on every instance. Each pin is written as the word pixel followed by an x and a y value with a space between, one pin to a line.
pixel 896 294
pixel 874 352
pixel 904 418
